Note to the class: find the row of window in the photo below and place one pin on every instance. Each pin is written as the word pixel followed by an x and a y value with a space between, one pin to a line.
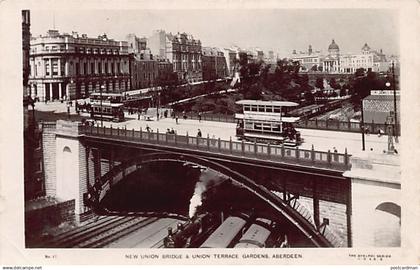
pixel 96 50
pixel 58 48
pixel 271 127
pixel 97 68
pixel 262 108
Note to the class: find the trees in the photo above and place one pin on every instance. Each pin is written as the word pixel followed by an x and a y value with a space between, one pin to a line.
pixel 309 97
pixel 319 83
pixel 333 83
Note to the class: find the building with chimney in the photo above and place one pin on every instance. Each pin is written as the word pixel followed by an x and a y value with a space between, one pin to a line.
pixel 64 66
pixel 182 50
pixel 143 70
pixel 309 61
pixel 136 44
pixel 231 58
pixel 214 64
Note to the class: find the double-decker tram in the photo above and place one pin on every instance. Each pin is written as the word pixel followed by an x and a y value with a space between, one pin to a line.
pixel 111 108
pixel 267 122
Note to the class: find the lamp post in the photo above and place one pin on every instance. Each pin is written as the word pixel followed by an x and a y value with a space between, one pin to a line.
pixel 157 102
pixel 388 84
pixel 363 125
pixel 100 102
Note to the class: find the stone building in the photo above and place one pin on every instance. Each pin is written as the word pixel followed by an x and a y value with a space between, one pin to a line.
pixel 309 61
pixel 335 62
pixel 331 62
pixel 214 64
pixel 232 61
pixel 73 66
pixel 136 44
pixel 143 70
pixel 349 63
pixel 166 74
pixel 26 36
pixel 182 50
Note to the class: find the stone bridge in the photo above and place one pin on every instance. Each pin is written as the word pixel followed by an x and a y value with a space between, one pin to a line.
pixel 319 192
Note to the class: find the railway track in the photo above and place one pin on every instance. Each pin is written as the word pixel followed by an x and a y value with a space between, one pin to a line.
pixel 100 232
pixel 117 232
pixel 97 223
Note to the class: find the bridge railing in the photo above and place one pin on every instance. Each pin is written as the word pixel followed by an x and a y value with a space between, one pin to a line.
pixel 279 153
pixel 336 125
pixel 324 124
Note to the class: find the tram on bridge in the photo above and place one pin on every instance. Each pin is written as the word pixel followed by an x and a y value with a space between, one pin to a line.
pixel 113 104
pixel 267 122
pixel 108 106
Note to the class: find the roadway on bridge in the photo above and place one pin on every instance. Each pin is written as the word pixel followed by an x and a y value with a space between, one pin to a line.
pixel 322 140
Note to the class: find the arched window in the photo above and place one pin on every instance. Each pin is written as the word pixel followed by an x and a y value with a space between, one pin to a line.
pixel 66 149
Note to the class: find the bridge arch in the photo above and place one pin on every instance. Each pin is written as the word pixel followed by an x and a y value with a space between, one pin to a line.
pixel 388 225
pixel 103 184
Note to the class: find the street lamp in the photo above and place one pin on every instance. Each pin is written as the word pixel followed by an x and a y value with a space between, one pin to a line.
pixel 388 84
pixel 363 125
pixel 100 102
pixel 157 102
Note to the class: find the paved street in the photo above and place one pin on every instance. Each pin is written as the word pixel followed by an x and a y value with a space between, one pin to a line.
pixel 322 140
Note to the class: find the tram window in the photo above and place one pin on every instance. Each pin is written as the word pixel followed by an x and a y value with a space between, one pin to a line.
pixel 247 108
pixel 254 108
pixel 261 108
pixel 276 128
pixel 248 125
pixel 266 127
pixel 276 109
pixel 269 109
pixel 257 126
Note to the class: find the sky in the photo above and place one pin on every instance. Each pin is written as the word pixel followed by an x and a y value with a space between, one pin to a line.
pixel 280 30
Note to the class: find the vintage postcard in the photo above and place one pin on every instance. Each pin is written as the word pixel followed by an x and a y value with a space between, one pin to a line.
pixel 209 132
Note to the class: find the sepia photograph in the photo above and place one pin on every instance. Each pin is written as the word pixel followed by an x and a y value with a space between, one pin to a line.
pixel 267 133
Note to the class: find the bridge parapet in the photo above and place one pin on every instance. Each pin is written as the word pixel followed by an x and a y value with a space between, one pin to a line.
pixel 275 153
pixel 68 128
pixel 376 200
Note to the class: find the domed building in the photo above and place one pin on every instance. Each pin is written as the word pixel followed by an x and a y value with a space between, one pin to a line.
pixel 331 63
pixel 333 49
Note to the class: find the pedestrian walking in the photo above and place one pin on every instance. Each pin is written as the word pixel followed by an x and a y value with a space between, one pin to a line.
pixel 199 133
pixel 199 116
pixel 176 119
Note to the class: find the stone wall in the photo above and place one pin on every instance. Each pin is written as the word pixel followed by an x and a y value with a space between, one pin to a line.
pixel 40 219
pixel 49 155
pixel 375 183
